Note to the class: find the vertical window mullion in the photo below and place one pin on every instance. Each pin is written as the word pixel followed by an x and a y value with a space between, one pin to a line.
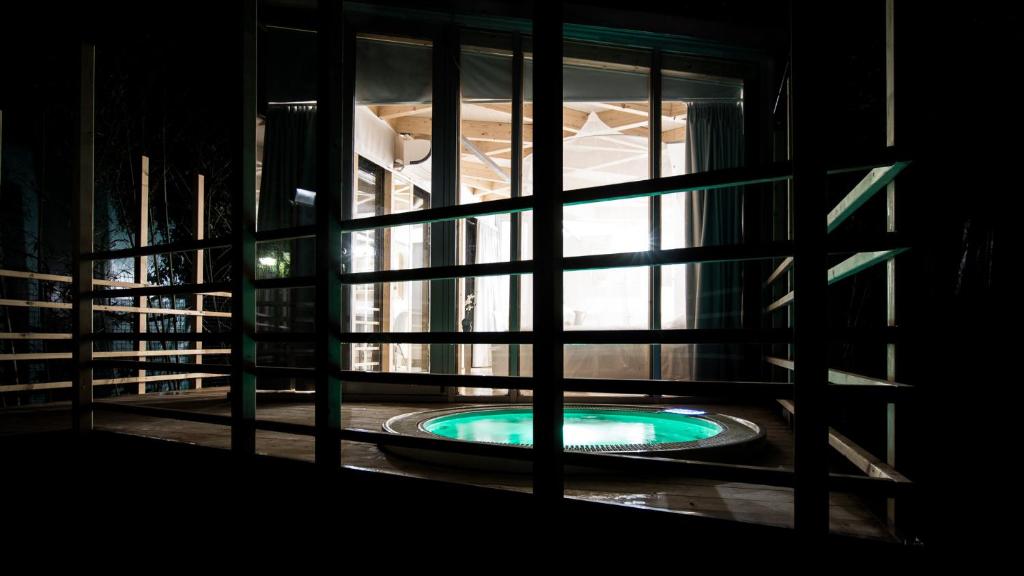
pixel 654 158
pixel 548 338
pixel 444 192
pixel 515 280
pixel 334 128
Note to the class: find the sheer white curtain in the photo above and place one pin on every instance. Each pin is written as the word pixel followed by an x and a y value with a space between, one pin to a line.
pixel 492 292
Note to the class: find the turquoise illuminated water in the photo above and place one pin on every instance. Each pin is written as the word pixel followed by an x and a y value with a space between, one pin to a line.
pixel 582 427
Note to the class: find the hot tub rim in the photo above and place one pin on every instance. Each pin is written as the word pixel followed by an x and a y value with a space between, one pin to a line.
pixel 736 432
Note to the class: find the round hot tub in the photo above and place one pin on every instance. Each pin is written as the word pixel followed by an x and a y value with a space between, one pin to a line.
pixel 610 429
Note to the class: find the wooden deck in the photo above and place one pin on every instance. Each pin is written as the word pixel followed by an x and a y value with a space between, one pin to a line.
pixel 738 501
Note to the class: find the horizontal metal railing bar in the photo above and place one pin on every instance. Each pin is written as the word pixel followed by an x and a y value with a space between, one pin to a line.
pixel 439 444
pixel 114 308
pixel 160 290
pixel 290 282
pixel 784 363
pixel 159 337
pixel 31 356
pixel 95 281
pixel 437 337
pixel 733 253
pixel 156 311
pixel 296 233
pixel 781 302
pixel 35 304
pixel 783 267
pixel 169 413
pixel 859 262
pixel 868 186
pixel 863 459
pixel 706 388
pixel 121 381
pixel 848 384
pixel 182 246
pixel 35 336
pixel 843 377
pixel 439 272
pixel 23 275
pixel 162 366
pixel 285 336
pixel 869 464
pixel 868 485
pixel 710 470
pixel 431 379
pixel 679 336
pixel 430 215
pixel 151 353
pixel 726 178
pixel 35 386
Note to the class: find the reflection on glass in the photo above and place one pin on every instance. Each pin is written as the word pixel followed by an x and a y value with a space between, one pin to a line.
pixel 285 258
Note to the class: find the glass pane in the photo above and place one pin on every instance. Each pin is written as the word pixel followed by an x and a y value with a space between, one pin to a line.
pixel 606 227
pixel 630 361
pixel 673 138
pixel 704 217
pixel 607 361
pixel 286 130
pixel 485 239
pixel 612 299
pixel 485 170
pixel 484 304
pixel 285 310
pixel 706 361
pixel 605 116
pixel 285 258
pixel 702 129
pixel 483 360
pixel 526 302
pixel 527 120
pixel 704 295
pixel 394 123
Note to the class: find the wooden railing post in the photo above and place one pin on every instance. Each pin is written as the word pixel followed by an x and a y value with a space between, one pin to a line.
pixel 142 263
pixel 200 255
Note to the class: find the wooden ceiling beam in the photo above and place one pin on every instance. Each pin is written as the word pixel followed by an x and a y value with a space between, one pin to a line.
pixel 494 137
pixel 390 112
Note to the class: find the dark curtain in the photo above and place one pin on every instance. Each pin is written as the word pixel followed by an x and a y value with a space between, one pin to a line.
pixel 714 134
pixel 289 162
